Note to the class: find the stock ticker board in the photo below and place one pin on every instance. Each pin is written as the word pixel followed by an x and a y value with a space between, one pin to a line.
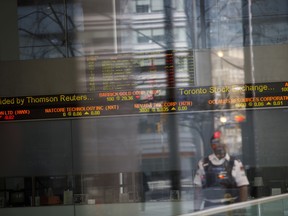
pixel 145 101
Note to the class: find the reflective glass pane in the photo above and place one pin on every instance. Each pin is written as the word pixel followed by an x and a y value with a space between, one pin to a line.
pixel 143 107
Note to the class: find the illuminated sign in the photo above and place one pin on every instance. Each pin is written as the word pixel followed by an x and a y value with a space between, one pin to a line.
pixel 128 70
pixel 145 101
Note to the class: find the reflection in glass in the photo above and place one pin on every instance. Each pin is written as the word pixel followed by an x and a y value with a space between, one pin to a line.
pixel 156 48
pixel 48 29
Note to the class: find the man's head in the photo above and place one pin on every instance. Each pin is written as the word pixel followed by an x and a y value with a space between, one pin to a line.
pixel 218 146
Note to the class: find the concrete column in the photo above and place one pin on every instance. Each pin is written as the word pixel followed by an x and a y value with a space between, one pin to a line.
pixel 9 41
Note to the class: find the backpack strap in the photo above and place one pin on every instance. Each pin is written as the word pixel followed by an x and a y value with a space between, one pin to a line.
pixel 231 164
pixel 206 164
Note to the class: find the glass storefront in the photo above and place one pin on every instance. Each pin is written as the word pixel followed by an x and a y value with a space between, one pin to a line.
pixel 107 107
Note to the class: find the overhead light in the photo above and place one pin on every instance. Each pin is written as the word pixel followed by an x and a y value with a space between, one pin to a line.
pixel 220 54
pixel 223 119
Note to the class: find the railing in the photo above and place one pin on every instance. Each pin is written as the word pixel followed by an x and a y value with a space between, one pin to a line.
pixel 274 205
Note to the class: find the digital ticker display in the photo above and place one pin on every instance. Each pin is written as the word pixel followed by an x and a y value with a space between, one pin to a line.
pixel 145 101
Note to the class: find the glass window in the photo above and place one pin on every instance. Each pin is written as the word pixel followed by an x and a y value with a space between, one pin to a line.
pixel 156 5
pixel 158 34
pixel 142 6
pixel 180 34
pixel 127 107
pixel 151 36
pixel 48 29
pixel 148 6
pixel 144 36
pixel 179 5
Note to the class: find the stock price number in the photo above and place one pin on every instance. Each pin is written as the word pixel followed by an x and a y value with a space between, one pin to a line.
pixel 110 98
pixel 256 104
pixel 277 103
pixel 144 110
pixel 160 109
pixel 182 108
pixel 126 98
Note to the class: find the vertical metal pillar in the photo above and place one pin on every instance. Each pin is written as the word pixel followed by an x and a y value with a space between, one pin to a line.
pixel 172 126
